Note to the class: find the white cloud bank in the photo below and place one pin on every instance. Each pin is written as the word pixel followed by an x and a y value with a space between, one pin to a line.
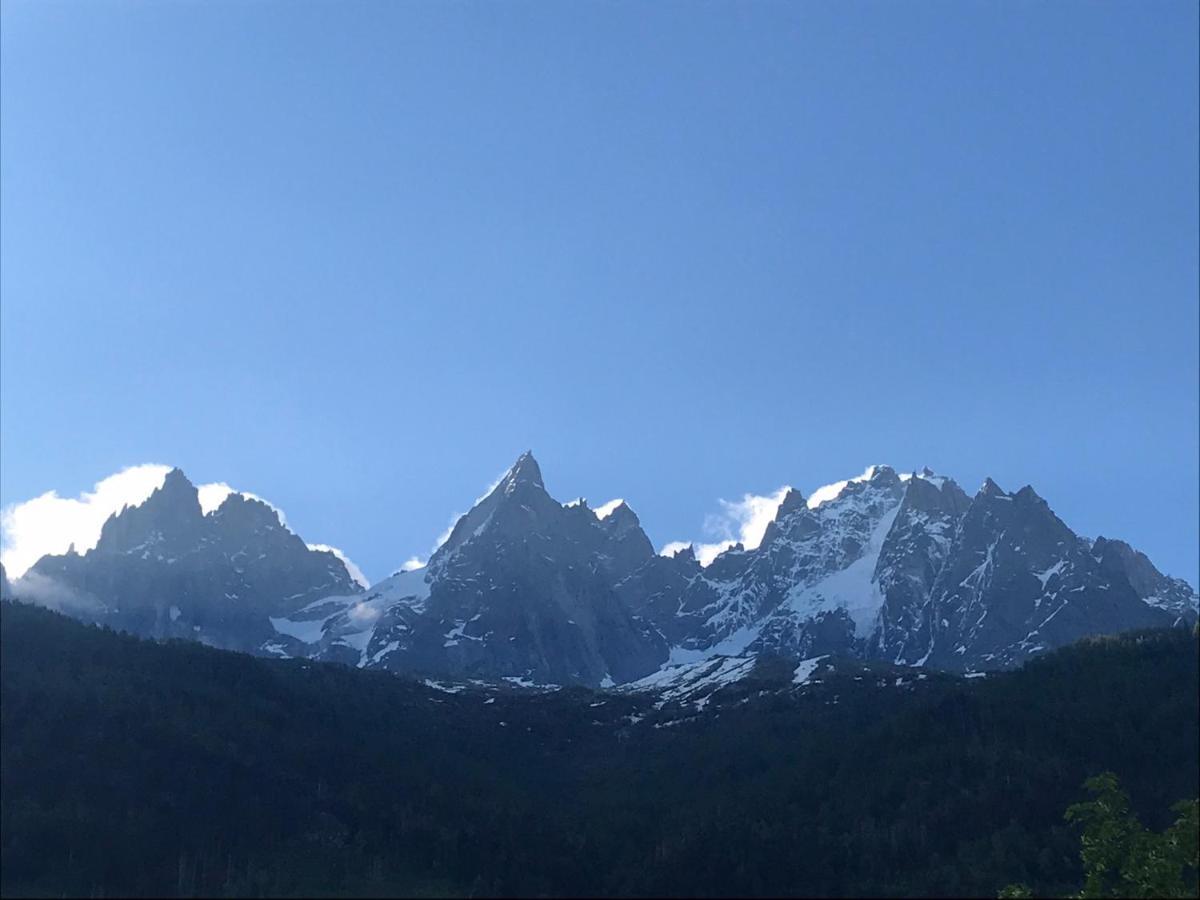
pixel 604 510
pixel 745 521
pixel 833 491
pixel 739 521
pixel 674 547
pixel 50 524
pixel 213 495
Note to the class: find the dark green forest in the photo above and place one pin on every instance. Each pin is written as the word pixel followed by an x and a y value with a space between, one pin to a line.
pixel 133 767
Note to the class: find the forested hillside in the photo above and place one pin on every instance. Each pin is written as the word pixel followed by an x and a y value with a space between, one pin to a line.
pixel 128 766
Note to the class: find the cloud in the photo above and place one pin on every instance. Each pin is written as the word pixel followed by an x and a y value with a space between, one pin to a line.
pixel 739 521
pixel 606 510
pixel 674 547
pixel 706 553
pixel 213 495
pixel 355 572
pixel 53 594
pixel 50 523
pixel 833 491
pixel 745 521
pixel 752 514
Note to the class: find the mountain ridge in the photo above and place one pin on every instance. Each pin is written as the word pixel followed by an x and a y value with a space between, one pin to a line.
pixel 165 568
pixel 902 567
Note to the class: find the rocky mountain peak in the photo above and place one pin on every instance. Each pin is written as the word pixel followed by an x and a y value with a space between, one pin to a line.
pixel 176 481
pixel 991 489
pixel 240 510
pixel 1028 495
pixel 878 489
pixel 176 494
pixel 792 501
pixel 621 518
pixel 524 471
pixel 171 516
pixel 882 475
pixel 518 503
pixel 1117 556
pixel 929 492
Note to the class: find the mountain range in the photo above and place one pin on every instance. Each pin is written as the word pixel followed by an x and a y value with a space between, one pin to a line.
pixel 901 568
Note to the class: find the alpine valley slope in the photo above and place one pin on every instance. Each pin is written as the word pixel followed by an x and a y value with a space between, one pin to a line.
pixel 905 569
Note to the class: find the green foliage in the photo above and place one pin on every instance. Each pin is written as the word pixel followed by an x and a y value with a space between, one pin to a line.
pixel 1015 891
pixel 1122 858
pixel 129 767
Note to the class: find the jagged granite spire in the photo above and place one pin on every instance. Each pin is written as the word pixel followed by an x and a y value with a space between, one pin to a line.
pixel 524 588
pixel 164 569
pixel 170 518
pixel 519 491
pixel 525 471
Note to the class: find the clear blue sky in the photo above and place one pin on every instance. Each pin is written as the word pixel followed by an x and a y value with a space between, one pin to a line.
pixel 355 257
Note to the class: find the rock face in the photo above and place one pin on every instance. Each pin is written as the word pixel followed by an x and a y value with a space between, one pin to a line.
pixel 1016 581
pixel 906 569
pixel 1119 560
pixel 522 589
pixel 165 569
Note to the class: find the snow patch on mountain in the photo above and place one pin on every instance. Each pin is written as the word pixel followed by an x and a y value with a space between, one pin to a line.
pixel 854 588
pixel 351 619
pixel 828 492
pixel 806 668
pixel 694 682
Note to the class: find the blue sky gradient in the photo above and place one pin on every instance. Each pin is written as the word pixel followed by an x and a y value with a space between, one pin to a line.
pixel 355 257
